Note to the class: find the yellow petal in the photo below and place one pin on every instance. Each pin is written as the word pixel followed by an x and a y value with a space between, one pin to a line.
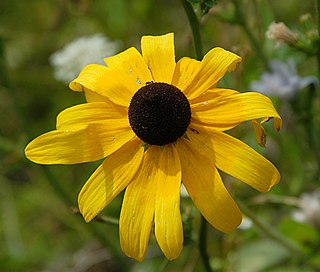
pixel 213 67
pixel 94 97
pixel 126 73
pixel 88 143
pixel 110 178
pixel 235 158
pixel 138 207
pixel 167 220
pixel 158 52
pixel 131 67
pixel 88 113
pixel 184 72
pixel 211 94
pixel 205 187
pixel 225 112
pixel 101 80
pixel 261 135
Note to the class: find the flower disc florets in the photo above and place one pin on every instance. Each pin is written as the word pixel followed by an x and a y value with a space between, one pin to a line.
pixel 159 113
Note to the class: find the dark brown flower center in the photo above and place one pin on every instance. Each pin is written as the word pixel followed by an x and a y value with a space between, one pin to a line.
pixel 159 113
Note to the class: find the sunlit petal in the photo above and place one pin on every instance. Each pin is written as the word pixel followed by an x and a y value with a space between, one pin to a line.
pixel 167 220
pixel 213 67
pixel 236 159
pixel 205 187
pixel 261 135
pixel 184 72
pixel 211 94
pixel 94 97
pixel 158 52
pixel 88 143
pixel 110 178
pixel 126 73
pixel 131 67
pixel 138 207
pixel 88 113
pixel 225 112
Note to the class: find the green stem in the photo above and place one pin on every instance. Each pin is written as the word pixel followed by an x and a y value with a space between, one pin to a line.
pixel 270 231
pixel 318 11
pixel 195 27
pixel 203 245
pixel 108 220
pixel 241 20
pixel 318 49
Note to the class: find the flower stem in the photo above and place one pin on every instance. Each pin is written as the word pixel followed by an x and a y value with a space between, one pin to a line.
pixel 270 231
pixel 195 27
pixel 108 220
pixel 318 49
pixel 203 245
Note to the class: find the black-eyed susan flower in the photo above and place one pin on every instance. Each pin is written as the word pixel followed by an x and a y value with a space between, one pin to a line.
pixel 157 123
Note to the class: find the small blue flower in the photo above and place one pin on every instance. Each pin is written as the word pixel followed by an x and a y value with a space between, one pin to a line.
pixel 282 81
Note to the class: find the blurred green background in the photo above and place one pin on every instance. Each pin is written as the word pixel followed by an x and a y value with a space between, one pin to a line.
pixel 40 229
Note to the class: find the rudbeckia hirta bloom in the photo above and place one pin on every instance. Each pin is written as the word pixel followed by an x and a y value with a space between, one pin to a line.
pixel 157 123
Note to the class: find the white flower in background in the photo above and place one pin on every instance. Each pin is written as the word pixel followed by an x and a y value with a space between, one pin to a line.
pixel 281 33
pixel 282 81
pixel 246 223
pixel 70 60
pixel 309 212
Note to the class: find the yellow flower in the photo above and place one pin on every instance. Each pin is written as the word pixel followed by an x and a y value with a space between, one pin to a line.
pixel 157 123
